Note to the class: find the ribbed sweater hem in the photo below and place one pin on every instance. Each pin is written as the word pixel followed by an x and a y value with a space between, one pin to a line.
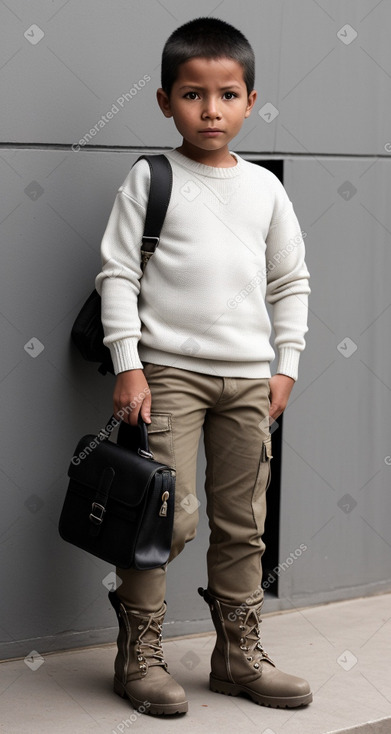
pixel 129 354
pixel 219 368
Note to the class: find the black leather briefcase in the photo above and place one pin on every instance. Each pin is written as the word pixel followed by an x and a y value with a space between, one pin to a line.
pixel 119 505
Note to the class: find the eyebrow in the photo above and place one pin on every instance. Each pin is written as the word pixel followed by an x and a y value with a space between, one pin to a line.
pixel 202 89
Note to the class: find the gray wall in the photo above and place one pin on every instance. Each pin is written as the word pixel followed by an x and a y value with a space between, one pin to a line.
pixel 331 90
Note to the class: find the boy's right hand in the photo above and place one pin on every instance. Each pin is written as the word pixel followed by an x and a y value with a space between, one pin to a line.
pixel 132 396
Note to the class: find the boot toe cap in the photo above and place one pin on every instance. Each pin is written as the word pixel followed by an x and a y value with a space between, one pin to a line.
pixel 159 688
pixel 277 684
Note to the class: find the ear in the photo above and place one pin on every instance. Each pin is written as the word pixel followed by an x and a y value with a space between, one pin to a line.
pixel 163 102
pixel 250 103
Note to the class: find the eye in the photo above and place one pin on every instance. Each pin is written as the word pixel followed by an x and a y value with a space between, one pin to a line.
pixel 232 95
pixel 187 95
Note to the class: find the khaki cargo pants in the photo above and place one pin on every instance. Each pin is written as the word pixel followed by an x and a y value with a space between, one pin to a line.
pixel 233 413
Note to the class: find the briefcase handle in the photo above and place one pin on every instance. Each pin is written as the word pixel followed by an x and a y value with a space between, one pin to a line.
pixel 143 442
pixel 144 449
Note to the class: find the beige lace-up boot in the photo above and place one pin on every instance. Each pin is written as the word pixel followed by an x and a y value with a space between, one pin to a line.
pixel 241 665
pixel 141 674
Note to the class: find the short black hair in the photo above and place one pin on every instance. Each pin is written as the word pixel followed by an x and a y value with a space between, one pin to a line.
pixel 210 38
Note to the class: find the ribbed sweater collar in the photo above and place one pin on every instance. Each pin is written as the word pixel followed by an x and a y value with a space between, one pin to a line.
pixel 201 168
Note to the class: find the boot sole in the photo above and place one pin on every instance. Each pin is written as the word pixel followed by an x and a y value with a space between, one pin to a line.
pixel 154 709
pixel 233 689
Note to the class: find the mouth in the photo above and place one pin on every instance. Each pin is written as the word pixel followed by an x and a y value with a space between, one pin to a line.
pixel 211 131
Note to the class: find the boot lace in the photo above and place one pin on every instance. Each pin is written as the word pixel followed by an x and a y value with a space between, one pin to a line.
pixel 149 645
pixel 250 637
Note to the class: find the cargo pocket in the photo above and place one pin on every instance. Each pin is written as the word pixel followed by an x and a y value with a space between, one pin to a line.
pixel 160 439
pixel 262 483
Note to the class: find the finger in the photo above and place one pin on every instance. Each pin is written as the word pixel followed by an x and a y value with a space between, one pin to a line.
pixel 116 409
pixel 122 412
pixel 146 409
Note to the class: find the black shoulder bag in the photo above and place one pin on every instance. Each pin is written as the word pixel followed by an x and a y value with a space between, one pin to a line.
pixel 87 331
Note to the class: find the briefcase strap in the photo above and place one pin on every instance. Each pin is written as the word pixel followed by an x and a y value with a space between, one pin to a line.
pixel 98 507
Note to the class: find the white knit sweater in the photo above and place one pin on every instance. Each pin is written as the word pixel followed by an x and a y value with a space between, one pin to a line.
pixel 230 241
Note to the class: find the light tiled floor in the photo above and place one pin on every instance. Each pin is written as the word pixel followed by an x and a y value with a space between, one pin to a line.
pixel 343 649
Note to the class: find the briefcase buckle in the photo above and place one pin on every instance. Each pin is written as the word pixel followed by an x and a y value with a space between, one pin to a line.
pixel 96 516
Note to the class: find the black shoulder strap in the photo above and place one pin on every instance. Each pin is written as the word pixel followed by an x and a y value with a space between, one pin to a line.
pixel 159 198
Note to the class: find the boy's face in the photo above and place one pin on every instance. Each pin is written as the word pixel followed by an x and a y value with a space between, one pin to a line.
pixel 208 94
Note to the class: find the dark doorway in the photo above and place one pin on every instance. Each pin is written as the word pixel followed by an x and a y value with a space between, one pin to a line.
pixel 271 535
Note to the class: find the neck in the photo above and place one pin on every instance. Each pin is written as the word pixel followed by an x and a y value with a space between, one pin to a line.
pixel 218 158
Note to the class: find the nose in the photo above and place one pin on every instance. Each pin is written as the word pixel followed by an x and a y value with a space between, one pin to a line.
pixel 211 109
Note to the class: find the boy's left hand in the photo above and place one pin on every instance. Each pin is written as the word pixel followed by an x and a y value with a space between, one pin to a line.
pixel 280 390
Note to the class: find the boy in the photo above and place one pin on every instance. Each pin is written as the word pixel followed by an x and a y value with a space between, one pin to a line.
pixel 190 347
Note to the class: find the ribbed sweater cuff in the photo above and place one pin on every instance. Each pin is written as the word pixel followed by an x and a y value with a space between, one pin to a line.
pixel 288 363
pixel 124 355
